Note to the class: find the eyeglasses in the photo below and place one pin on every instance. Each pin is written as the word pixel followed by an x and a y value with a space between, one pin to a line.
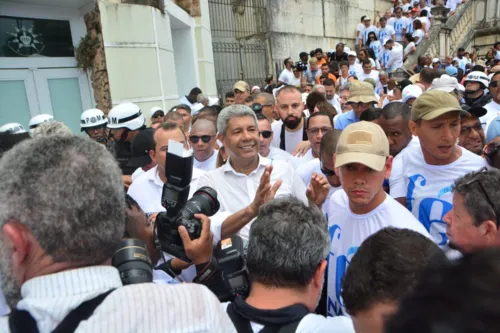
pixel 325 171
pixel 490 202
pixel 204 138
pixel 315 130
pixel 494 84
pixel 466 130
pixel 266 134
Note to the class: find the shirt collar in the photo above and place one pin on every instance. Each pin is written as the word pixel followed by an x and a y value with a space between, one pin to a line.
pixel 263 162
pixel 154 176
pixel 72 282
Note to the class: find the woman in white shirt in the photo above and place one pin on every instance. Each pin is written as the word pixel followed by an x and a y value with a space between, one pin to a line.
pixel 410 45
pixel 373 43
pixel 419 33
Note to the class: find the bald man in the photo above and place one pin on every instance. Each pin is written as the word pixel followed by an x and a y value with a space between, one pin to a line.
pixel 202 139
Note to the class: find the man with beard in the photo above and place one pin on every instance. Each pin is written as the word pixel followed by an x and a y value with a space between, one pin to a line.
pixel 93 122
pixel 285 288
pixel 290 131
pixel 473 222
pixel 362 207
pixel 125 121
pixel 266 137
pixel 59 232
pixel 472 135
pixel 247 180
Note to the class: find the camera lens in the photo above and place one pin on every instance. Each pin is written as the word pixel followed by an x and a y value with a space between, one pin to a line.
pixel 204 201
pixel 133 263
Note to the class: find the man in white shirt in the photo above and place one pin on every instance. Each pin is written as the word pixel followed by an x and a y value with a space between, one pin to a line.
pixel 286 76
pixel 385 268
pixel 354 67
pixel 203 140
pixel 285 288
pixel 399 23
pixel 493 107
pixel 368 73
pixel 423 174
pixel 330 95
pixel 395 60
pixel 385 31
pixel 318 124
pixel 462 60
pixel 58 235
pixel 362 208
pixel 290 130
pixel 247 180
pixel 266 137
pixel 367 28
pixel 191 99
pixel 147 189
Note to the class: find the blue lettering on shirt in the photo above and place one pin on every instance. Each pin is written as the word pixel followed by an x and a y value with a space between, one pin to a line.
pixel 431 211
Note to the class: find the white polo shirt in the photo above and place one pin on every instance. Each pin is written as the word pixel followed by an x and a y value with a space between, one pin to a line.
pixel 236 191
pixel 147 189
pixel 208 165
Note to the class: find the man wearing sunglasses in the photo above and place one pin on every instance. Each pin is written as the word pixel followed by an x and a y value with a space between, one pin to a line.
pixel 203 140
pixel 266 137
pixel 362 97
pixel 472 135
pixel 493 107
pixel 473 223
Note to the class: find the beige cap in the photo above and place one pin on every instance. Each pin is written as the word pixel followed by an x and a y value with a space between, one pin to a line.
pixel 435 103
pixel 362 142
pixel 241 86
pixel 362 92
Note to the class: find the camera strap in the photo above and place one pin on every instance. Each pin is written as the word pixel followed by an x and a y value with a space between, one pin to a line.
pixel 21 321
pixel 284 320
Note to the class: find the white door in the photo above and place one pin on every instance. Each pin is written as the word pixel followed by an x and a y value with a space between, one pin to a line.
pixel 18 96
pixel 65 93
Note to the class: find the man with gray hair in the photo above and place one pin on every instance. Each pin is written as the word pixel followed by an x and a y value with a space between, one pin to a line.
pixel 285 289
pixel 267 102
pixel 50 128
pixel 62 214
pixel 473 222
pixel 247 180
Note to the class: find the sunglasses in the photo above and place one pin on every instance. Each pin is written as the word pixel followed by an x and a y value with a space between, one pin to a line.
pixel 494 84
pixel 486 195
pixel 266 134
pixel 204 138
pixel 325 171
pixel 157 116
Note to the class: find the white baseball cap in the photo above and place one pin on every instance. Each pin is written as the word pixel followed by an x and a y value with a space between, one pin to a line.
pixel 411 91
pixel 445 83
pixel 352 53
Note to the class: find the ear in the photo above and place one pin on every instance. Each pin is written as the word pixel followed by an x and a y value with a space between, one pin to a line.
pixel 17 237
pixel 388 167
pixel 319 274
pixel 152 154
pixel 220 137
pixel 413 127
pixel 490 230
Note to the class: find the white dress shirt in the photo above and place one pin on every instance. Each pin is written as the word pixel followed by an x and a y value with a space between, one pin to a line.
pixel 145 307
pixel 208 165
pixel 147 189
pixel 236 191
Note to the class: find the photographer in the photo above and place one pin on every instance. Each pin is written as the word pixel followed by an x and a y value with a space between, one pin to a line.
pixel 62 213
pixel 285 288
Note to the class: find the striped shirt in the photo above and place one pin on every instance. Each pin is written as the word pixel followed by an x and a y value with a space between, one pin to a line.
pixel 135 308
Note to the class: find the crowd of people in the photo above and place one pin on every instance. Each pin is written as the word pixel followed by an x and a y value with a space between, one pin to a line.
pixel 364 203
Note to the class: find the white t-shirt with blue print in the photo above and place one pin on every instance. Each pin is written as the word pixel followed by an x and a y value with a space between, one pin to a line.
pixel 427 188
pixel 349 230
pixel 399 25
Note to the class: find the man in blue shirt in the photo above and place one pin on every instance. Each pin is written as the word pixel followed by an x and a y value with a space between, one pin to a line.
pixel 362 97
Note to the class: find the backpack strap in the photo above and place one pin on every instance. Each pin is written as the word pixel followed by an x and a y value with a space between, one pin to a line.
pixel 241 324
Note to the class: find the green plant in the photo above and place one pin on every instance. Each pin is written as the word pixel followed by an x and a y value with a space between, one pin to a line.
pixel 85 52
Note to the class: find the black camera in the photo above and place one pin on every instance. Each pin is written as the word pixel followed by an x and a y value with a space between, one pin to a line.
pixel 300 66
pixel 133 262
pixel 180 210
pixel 231 278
